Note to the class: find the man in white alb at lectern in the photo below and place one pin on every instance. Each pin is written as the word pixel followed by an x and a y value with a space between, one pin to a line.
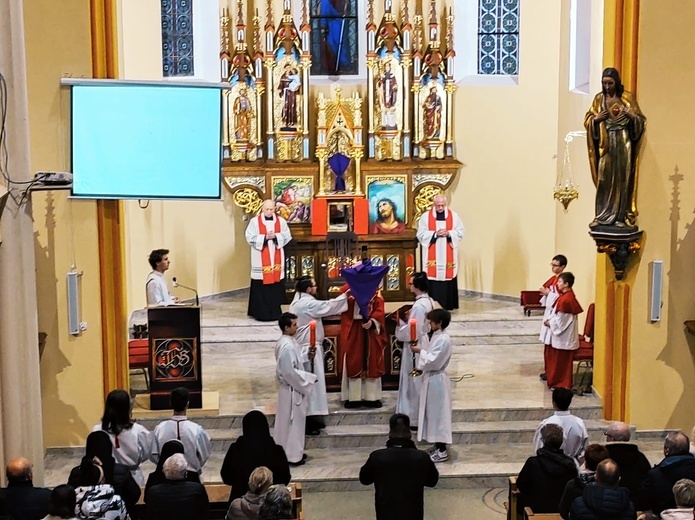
pixel 156 286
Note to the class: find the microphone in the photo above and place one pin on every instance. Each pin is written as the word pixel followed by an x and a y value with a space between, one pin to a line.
pixel 177 284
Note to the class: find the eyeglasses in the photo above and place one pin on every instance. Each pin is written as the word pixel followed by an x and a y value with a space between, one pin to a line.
pixel 555 265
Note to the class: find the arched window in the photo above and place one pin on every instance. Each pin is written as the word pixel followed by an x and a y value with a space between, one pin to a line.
pixel 498 37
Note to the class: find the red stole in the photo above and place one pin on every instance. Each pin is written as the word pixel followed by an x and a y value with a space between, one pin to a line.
pixel 271 272
pixel 432 249
pixel 568 304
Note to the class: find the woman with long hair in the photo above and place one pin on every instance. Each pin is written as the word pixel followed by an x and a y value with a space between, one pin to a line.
pixel 99 450
pixel 253 449
pixel 132 443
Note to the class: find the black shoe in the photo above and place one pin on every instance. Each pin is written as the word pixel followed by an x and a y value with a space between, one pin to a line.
pixel 373 404
pixel 312 433
pixel 314 422
pixel 352 404
pixel 543 377
pixel 413 428
pixel 300 463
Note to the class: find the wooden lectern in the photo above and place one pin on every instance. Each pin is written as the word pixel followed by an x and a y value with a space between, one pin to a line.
pixel 175 354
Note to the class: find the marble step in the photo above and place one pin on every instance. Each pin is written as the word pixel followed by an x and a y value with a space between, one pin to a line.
pixel 588 408
pixel 470 465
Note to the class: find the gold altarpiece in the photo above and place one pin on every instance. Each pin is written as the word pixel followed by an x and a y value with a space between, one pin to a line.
pixel 387 190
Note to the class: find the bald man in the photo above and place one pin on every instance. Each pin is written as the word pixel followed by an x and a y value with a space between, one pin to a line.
pixel 439 232
pixel 267 234
pixel 631 461
pixel 22 500
pixel 604 499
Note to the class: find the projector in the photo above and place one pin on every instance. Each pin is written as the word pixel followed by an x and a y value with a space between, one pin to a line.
pixel 54 178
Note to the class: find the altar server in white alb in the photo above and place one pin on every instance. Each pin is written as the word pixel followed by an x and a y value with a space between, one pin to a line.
pixel 408 386
pixel 549 294
pixel 132 442
pixel 308 308
pixel 435 396
pixel 267 234
pixel 195 440
pixel 439 232
pixel 295 386
pixel 156 286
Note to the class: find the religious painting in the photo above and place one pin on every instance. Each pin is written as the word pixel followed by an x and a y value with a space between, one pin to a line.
pixel 387 197
pixel 334 37
pixel 293 196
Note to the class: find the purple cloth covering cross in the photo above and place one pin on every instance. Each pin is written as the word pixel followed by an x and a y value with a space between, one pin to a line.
pixel 364 281
pixel 339 163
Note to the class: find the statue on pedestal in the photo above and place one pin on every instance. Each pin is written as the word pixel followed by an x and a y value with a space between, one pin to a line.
pixel 434 89
pixel 388 63
pixel 614 126
pixel 242 102
pixel 287 61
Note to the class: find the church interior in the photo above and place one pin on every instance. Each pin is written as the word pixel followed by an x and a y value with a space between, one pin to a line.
pixel 498 148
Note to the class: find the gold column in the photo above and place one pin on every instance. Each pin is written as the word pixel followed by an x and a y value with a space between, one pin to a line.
pixel 614 298
pixel 110 220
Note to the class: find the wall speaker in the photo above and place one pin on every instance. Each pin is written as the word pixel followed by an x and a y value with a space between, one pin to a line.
pixel 73 278
pixel 656 274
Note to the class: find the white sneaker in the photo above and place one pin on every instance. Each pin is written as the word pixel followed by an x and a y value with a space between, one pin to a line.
pixel 439 456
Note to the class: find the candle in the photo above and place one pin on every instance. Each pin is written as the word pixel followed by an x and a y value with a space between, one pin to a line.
pixel 312 333
pixel 413 330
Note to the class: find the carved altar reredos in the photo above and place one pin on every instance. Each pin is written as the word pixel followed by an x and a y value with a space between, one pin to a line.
pixel 242 103
pixel 277 164
pixel 339 131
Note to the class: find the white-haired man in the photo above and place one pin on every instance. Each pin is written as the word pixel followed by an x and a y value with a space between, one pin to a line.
pixel 176 498
pixel 267 234
pixel 439 232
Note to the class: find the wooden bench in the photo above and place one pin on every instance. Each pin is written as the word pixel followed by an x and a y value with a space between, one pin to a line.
pixel 512 503
pixel 218 495
pixel 530 515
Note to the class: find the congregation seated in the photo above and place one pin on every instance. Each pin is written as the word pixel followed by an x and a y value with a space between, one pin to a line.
pixel 576 437
pixel 22 500
pixel 95 498
pixel 248 507
pixel 656 493
pixel 176 498
pixel 684 496
pixel 632 462
pixel 98 450
pixel 157 476
pixel 277 504
pixel 61 505
pixel 542 480
pixel 595 453
pixel 604 499
pixel 253 449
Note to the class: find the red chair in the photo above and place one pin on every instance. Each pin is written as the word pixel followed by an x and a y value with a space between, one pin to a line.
pixel 139 357
pixel 585 353
pixel 531 300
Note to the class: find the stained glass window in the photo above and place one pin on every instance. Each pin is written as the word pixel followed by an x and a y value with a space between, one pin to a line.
pixel 334 37
pixel 498 37
pixel 177 37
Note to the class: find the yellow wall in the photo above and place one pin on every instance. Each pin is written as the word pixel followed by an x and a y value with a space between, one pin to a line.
pixel 58 44
pixel 662 371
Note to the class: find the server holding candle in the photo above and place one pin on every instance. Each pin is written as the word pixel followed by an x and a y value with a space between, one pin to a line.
pixel 413 329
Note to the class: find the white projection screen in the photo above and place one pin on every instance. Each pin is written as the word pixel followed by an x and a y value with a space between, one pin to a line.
pixel 146 141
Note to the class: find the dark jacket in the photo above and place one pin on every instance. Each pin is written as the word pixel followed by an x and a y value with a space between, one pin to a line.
pixel 242 459
pixel 542 480
pixel 26 502
pixel 656 492
pixel 633 466
pixel 573 490
pixel 603 503
pixel 177 500
pixel 123 484
pixel 399 473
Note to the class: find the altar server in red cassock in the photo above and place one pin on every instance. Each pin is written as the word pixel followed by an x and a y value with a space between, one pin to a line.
pixel 267 234
pixel 550 293
pixel 439 232
pixel 363 363
pixel 563 325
